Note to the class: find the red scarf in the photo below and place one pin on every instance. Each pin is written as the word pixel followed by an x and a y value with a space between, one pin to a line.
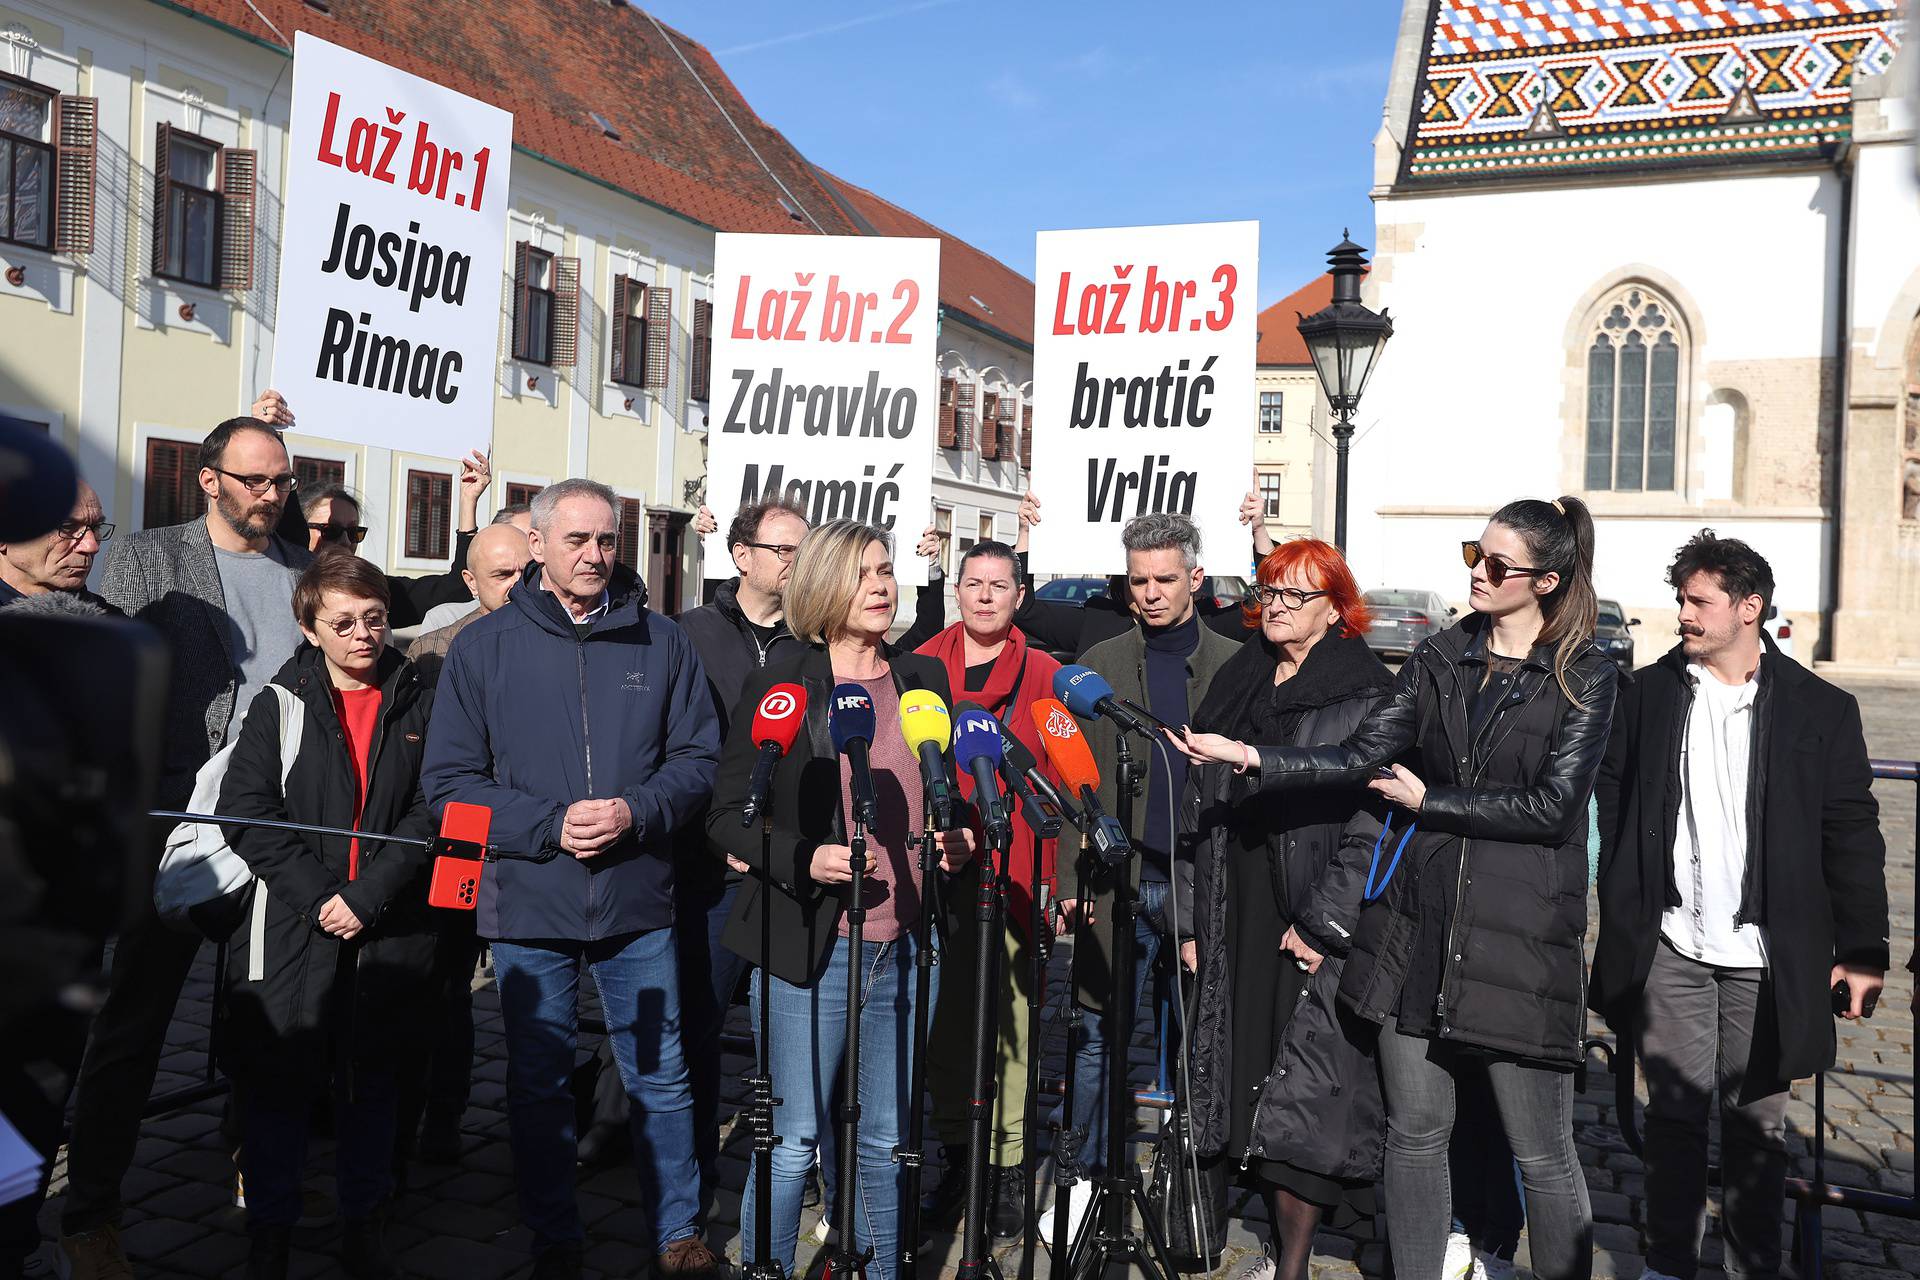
pixel 1020 675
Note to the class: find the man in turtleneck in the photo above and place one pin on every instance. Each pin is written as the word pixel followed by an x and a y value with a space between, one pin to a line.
pixel 1165 662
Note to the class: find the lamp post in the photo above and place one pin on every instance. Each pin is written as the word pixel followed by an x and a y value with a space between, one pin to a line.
pixel 1345 339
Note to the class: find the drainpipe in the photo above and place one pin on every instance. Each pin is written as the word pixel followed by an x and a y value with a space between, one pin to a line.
pixel 1843 348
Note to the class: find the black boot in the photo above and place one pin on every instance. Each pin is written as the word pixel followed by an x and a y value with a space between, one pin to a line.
pixel 267 1255
pixel 942 1208
pixel 363 1248
pixel 1007 1202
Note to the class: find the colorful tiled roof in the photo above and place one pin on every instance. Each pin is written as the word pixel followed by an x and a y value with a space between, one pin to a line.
pixel 1541 87
pixel 1280 344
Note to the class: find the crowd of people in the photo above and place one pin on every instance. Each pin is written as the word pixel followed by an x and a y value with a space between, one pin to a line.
pixel 1378 880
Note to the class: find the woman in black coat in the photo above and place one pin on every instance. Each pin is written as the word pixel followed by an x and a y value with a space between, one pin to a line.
pixel 1283 1082
pixel 329 970
pixel 840 602
pixel 1478 958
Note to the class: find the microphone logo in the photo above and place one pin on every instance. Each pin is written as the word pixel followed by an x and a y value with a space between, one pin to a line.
pixel 851 700
pixel 778 705
pixel 1060 724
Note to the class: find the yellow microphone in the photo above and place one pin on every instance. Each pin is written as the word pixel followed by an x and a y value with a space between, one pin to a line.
pixel 928 728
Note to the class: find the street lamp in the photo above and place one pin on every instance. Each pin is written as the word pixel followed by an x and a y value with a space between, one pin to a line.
pixel 1345 339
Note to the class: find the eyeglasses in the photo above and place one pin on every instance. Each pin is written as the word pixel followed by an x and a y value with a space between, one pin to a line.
pixel 1497 569
pixel 346 535
pixel 74 530
pixel 1292 597
pixel 260 484
pixel 785 550
pixel 375 622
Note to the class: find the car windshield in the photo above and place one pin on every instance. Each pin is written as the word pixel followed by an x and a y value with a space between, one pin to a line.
pixel 1611 615
pixel 1398 599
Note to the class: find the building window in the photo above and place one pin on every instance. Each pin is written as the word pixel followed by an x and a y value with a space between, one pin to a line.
pixel 626 548
pixel 1270 402
pixel 629 337
pixel 943 529
pixel 533 304
pixel 315 474
pixel 986 526
pixel 26 164
pixel 1633 393
pixel 203 198
pixel 519 495
pixel 173 484
pixel 429 514
pixel 1270 494
pixel 702 388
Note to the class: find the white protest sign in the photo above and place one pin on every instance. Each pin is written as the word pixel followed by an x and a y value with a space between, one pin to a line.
pixel 1143 394
pixel 825 389
pixel 396 214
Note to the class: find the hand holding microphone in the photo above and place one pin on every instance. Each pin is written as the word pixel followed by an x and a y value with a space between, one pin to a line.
pixel 833 864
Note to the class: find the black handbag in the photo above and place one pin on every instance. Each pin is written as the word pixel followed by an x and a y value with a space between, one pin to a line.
pixel 1188 1193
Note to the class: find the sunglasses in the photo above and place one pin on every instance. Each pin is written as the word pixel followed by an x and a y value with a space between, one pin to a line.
pixel 345 535
pixel 1497 570
pixel 375 623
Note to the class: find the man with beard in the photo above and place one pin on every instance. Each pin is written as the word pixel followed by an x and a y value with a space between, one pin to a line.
pixel 219 590
pixel 1743 900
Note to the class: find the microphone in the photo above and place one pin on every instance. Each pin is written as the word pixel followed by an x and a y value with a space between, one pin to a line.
pixel 850 720
pixel 976 745
pixel 927 727
pixel 459 855
pixel 1044 804
pixel 1087 693
pixel 776 723
pixel 1066 747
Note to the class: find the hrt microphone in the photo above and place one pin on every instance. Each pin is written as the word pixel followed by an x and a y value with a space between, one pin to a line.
pixel 976 746
pixel 927 727
pixel 776 723
pixel 459 855
pixel 1066 747
pixel 1043 804
pixel 850 720
pixel 1087 693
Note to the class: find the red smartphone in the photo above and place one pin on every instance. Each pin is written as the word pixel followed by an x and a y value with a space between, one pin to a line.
pixel 458 854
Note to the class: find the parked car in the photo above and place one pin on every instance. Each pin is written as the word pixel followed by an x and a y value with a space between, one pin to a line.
pixel 1780 627
pixel 1611 633
pixel 1403 618
pixel 1224 591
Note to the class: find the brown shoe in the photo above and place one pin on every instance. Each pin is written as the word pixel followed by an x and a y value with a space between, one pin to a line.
pixel 96 1255
pixel 690 1259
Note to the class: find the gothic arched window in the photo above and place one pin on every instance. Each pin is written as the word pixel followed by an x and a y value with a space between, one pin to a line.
pixel 1634 364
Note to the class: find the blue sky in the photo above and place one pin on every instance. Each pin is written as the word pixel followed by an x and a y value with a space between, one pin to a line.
pixel 994 119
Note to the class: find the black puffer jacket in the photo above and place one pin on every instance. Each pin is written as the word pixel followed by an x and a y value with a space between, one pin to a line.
pixel 1513 975
pixel 1320 1108
pixel 285 1028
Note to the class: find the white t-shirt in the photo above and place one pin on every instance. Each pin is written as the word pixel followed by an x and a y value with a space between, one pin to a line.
pixel 1710 849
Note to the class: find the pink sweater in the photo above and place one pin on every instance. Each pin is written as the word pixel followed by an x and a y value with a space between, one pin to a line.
pixel 892 892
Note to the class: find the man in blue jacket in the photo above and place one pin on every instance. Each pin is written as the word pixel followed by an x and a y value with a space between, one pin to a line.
pixel 584 722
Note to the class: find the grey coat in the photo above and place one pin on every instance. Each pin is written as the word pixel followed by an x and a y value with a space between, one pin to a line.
pixel 168 579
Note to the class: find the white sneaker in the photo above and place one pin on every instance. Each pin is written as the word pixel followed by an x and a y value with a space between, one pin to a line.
pixel 1258 1267
pixel 817 1233
pixel 1078 1195
pixel 1491 1266
pixel 1457 1262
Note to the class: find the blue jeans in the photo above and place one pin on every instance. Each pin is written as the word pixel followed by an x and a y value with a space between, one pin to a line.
pixel 638 980
pixel 274 1152
pixel 1083 1148
pixel 1486 1178
pixel 709 973
pixel 809 1044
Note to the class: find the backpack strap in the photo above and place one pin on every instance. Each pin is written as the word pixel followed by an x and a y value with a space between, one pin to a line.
pixel 292 723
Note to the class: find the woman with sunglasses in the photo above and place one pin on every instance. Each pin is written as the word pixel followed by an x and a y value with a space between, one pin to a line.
pixel 1476 958
pixel 1282 1084
pixel 328 974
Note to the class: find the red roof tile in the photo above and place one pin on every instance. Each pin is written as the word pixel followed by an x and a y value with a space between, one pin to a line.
pixel 1280 343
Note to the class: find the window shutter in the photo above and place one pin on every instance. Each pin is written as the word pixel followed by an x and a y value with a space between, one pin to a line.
pixel 566 311
pixel 617 329
pixel 236 218
pixel 963 415
pixel 946 413
pixel 75 139
pixel 1026 437
pixel 659 320
pixel 522 311
pixel 162 144
pixel 627 541
pixel 702 350
pixel 990 428
pixel 173 483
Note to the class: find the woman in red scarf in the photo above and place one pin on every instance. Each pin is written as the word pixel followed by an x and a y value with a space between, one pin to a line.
pixel 990 664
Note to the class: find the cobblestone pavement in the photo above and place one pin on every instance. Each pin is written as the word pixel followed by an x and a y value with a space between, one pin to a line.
pixel 459 1223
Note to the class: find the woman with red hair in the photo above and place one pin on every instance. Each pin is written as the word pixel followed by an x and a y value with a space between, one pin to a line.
pixel 1283 1085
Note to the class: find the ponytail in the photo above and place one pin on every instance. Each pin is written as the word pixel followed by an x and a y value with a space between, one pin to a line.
pixel 1559 537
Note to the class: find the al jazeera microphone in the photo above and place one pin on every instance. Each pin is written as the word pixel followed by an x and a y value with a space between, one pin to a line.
pixel 776 723
pixel 1066 747
pixel 850 720
pixel 977 749
pixel 927 727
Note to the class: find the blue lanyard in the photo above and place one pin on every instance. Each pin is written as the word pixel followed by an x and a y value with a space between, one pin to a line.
pixel 1372 890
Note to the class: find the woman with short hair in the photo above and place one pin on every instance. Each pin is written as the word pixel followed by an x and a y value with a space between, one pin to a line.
pixel 840 602
pixel 328 972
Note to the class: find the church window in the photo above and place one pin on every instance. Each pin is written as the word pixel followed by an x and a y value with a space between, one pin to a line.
pixel 1634 393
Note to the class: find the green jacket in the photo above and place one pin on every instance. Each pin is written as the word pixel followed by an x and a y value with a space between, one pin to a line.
pixel 1122 661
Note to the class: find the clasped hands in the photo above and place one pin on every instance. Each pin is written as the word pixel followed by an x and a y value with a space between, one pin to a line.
pixel 591 826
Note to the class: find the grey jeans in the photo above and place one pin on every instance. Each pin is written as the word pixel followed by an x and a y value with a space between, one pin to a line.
pixel 1697 1033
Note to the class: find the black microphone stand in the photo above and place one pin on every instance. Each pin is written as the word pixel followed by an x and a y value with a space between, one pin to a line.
pixel 1040 956
pixel 989 923
pixel 1106 1245
pixel 841 1261
pixel 760 1084
pixel 1062 1229
pixel 912 1153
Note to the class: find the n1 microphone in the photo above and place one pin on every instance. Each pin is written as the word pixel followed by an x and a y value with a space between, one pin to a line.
pixel 927 727
pixel 776 723
pixel 1044 805
pixel 1087 693
pixel 1066 747
pixel 850 719
pixel 459 855
pixel 976 746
